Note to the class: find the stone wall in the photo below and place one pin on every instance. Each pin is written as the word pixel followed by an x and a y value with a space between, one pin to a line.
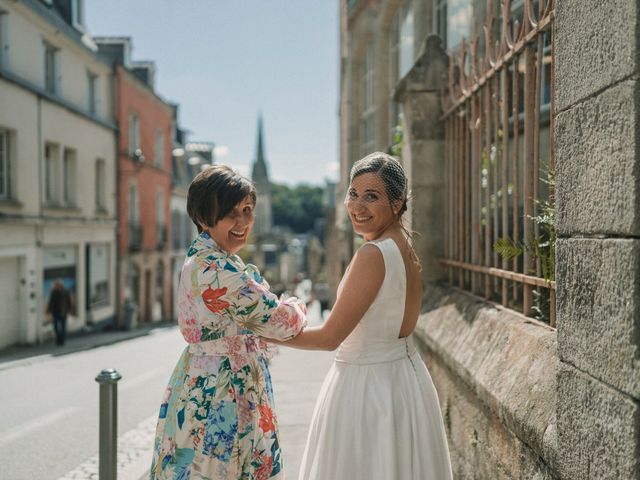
pixel 519 399
pixel 495 374
pixel 598 252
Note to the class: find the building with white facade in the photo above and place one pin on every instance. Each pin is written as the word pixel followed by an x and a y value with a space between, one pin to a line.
pixel 57 169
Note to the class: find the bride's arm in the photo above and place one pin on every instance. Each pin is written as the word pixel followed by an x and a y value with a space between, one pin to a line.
pixel 359 288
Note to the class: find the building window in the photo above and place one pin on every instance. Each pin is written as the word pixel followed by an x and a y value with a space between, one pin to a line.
pixel 69 177
pixel 100 188
pixel 92 92
pixel 160 218
pixel 5 165
pixel 77 14
pixel 517 13
pixel 175 229
pixel 440 20
pixel 368 105
pixel 50 67
pixel 4 39
pixel 134 135
pixel 51 172
pixel 97 275
pixel 160 207
pixel 134 211
pixel 406 40
pixel 159 149
pixel 135 229
pixel 401 58
pixel 452 21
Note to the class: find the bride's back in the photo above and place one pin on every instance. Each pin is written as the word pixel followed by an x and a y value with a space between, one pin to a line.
pixel 413 297
pixel 394 311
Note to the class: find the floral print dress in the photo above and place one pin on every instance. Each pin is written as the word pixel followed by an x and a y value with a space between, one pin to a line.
pixel 216 419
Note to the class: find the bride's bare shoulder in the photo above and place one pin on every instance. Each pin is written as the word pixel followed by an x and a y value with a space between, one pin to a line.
pixel 368 259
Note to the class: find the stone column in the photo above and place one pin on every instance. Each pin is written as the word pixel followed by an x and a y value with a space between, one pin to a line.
pixel 423 152
pixel 597 126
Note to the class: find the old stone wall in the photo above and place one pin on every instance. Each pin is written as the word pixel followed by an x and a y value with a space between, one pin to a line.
pixel 598 252
pixel 495 374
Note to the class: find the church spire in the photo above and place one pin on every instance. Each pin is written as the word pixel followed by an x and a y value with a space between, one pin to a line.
pixel 260 164
pixel 260 177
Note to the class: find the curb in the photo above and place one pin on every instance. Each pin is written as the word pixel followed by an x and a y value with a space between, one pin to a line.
pixel 89 341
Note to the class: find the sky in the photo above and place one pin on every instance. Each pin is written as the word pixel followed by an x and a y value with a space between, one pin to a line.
pixel 226 61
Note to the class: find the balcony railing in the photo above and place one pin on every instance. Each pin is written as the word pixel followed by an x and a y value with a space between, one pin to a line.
pixel 135 236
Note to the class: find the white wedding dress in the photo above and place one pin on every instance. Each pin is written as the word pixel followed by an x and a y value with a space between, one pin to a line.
pixel 377 416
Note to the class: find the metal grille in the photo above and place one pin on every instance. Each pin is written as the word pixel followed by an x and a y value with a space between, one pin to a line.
pixel 498 116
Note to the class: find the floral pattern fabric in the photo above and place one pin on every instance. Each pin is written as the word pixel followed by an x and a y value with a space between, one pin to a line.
pixel 216 418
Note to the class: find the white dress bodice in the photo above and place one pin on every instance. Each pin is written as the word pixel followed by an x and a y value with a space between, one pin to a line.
pixel 376 337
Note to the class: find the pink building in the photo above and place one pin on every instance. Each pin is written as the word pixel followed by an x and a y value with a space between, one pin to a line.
pixel 145 124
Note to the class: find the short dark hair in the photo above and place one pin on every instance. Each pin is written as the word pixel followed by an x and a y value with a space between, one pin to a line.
pixel 214 192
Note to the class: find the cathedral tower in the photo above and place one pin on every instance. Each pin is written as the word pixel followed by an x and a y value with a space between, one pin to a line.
pixel 260 177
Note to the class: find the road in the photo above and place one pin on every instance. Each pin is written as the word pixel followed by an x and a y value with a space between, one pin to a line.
pixel 49 409
pixel 49 420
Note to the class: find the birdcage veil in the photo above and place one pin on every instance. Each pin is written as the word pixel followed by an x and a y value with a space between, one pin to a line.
pixel 390 174
pixel 388 187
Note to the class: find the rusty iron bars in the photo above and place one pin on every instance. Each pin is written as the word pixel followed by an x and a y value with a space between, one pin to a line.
pixel 498 106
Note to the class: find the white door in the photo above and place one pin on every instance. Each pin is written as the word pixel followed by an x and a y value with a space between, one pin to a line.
pixel 9 301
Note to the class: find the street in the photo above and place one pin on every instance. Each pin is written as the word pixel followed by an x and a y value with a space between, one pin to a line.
pixel 49 421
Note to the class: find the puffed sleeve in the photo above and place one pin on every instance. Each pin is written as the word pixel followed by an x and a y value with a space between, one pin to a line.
pixel 239 291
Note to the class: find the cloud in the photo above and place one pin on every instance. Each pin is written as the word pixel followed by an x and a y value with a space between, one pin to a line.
pixel 244 170
pixel 221 151
pixel 332 170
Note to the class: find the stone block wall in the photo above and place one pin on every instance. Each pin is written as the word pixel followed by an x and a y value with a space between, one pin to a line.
pixel 521 400
pixel 495 375
pixel 598 265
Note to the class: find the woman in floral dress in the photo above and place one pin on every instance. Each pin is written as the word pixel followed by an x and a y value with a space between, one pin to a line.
pixel 216 418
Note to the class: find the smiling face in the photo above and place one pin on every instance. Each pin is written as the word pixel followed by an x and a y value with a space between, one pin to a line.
pixel 368 205
pixel 232 231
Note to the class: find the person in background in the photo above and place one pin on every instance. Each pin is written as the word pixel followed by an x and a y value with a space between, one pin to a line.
pixel 58 307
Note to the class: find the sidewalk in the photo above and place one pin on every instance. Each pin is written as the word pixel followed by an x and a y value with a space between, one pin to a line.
pixel 20 355
pixel 297 377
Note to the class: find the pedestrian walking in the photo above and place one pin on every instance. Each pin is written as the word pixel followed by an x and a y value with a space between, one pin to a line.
pixel 58 307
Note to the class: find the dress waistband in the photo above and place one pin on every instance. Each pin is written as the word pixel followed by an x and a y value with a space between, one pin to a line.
pixel 369 352
pixel 238 348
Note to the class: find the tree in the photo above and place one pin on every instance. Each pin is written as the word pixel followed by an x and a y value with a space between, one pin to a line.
pixel 296 207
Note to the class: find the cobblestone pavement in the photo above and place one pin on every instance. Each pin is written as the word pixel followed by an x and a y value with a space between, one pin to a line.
pixel 134 455
pixel 297 376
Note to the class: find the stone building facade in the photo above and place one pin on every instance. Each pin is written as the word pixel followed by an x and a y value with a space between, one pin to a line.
pixel 57 170
pixel 520 398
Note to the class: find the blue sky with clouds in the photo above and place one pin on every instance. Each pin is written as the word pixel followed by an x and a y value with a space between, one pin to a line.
pixel 225 61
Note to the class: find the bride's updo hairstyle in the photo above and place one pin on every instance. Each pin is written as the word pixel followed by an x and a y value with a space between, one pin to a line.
pixel 390 172
pixel 395 182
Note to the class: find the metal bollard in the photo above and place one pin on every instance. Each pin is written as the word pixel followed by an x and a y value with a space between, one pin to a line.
pixel 107 461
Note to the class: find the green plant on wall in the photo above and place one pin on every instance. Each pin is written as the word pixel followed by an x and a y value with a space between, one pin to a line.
pixel 541 247
pixel 398 136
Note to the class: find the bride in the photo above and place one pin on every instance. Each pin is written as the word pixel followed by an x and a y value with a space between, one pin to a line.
pixel 377 415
